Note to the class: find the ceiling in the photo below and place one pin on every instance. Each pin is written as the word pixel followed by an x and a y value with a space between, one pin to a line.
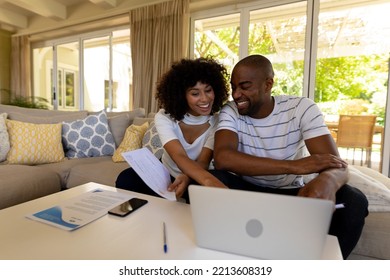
pixel 31 17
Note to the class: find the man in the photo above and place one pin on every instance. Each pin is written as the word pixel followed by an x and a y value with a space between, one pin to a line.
pixel 270 142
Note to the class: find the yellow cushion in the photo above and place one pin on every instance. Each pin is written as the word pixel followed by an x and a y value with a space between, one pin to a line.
pixel 34 143
pixel 131 141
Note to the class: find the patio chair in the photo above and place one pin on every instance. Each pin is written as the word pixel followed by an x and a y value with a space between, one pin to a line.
pixel 356 132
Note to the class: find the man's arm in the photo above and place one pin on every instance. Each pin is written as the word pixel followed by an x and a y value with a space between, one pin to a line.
pixel 227 157
pixel 329 181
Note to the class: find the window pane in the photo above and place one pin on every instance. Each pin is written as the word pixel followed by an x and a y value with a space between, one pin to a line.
pixel 43 74
pixel 218 37
pixel 99 91
pixel 122 70
pixel 68 69
pixel 279 34
pixel 353 55
pixel 70 89
pixel 352 64
pixel 96 72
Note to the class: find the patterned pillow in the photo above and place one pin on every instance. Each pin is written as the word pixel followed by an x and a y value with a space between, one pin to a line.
pixel 88 137
pixel 4 138
pixel 131 141
pixel 34 143
pixel 152 141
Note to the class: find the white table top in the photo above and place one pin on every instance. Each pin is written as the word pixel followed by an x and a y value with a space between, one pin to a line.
pixel 137 236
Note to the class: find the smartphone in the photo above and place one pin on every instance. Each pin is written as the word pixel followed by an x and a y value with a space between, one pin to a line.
pixel 128 207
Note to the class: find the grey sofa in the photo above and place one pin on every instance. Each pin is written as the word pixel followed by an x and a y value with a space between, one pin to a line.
pixel 20 183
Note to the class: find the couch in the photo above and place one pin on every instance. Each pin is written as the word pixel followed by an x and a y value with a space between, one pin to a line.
pixel 21 182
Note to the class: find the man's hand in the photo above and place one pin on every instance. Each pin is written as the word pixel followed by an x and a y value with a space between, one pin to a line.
pixel 317 163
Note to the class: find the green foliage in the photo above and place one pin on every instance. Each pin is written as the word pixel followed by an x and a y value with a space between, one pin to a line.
pixel 27 102
pixel 349 84
pixel 355 77
pixel 260 40
pixel 288 78
pixel 30 102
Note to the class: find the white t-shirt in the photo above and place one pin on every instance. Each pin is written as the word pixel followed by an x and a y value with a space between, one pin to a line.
pixel 281 135
pixel 169 129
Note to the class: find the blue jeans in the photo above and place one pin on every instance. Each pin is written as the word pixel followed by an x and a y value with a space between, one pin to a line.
pixel 347 223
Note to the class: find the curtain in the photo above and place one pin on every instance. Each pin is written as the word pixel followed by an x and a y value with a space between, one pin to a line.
pixel 20 67
pixel 159 36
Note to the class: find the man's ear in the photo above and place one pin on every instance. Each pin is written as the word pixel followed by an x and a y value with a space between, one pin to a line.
pixel 269 83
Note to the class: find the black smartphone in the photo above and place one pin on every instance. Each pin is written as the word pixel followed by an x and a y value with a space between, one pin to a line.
pixel 128 207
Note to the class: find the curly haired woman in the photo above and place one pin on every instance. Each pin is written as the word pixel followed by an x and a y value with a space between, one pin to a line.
pixel 190 95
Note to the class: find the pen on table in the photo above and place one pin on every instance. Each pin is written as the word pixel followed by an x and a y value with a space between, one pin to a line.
pixel 165 238
pixel 340 205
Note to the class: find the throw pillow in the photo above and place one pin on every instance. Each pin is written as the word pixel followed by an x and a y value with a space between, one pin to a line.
pixel 152 141
pixel 118 125
pixel 378 195
pixel 88 137
pixel 34 143
pixel 4 138
pixel 131 141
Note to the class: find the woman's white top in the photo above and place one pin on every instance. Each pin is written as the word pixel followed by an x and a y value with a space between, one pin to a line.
pixel 168 129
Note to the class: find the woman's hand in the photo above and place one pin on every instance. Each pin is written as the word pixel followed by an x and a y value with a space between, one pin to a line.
pixel 179 185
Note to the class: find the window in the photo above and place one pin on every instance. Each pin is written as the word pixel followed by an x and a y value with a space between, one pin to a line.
pixel 96 59
pixel 333 51
pixel 65 90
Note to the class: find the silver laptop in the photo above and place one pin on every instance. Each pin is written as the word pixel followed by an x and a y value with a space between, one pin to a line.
pixel 260 225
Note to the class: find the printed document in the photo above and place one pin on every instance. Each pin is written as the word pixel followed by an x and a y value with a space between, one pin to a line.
pixel 151 171
pixel 81 210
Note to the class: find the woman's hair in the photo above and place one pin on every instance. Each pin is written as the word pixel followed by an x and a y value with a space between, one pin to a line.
pixel 172 87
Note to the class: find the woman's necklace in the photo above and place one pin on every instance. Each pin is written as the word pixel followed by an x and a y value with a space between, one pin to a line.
pixel 195 120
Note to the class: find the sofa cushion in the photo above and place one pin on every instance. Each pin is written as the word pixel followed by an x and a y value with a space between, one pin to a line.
pixel 33 115
pixel 4 138
pixel 152 141
pixel 131 141
pixel 55 118
pixel 34 143
pixel 374 243
pixel 88 137
pixel 120 121
pixel 21 183
pixel 378 195
pixel 104 171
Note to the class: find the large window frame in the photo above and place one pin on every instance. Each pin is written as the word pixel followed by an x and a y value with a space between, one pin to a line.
pixel 310 53
pixel 52 83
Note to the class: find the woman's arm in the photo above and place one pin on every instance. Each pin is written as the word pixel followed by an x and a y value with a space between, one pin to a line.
pixel 197 170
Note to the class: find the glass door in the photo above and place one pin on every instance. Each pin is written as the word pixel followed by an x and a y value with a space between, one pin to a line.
pixel 279 33
pixel 101 61
pixel 66 88
pixel 352 69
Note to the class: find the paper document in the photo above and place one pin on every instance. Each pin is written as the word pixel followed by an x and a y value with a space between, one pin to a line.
pixel 80 210
pixel 151 171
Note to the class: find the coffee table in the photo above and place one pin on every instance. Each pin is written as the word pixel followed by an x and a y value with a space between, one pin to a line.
pixel 137 236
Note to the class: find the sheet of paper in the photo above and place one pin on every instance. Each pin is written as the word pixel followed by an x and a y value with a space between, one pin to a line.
pixel 80 210
pixel 151 171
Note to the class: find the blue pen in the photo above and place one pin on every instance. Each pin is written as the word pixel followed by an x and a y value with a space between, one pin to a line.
pixel 165 238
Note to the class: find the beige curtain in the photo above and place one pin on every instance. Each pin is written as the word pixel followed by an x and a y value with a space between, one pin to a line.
pixel 159 36
pixel 20 67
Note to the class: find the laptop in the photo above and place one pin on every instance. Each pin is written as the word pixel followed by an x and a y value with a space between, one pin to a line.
pixel 260 225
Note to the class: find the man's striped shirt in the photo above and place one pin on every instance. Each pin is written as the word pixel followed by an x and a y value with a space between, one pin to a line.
pixel 281 135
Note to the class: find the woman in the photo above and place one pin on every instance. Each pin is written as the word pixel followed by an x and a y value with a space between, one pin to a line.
pixel 189 95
